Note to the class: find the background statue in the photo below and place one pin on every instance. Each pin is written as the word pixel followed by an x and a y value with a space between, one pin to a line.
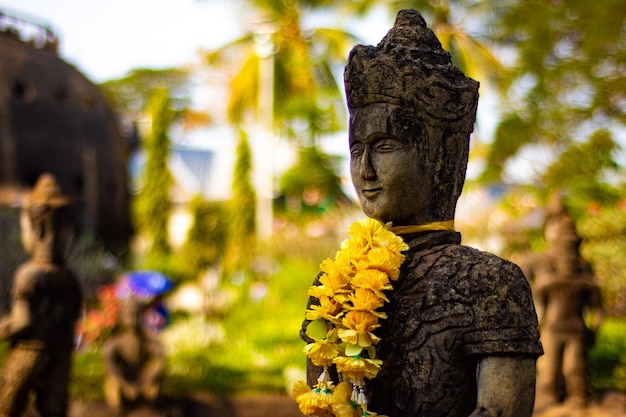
pixel 564 291
pixel 460 338
pixel 134 360
pixel 46 303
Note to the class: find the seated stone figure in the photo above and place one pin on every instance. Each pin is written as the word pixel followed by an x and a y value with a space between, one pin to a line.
pixel 133 359
pixel 46 303
pixel 460 335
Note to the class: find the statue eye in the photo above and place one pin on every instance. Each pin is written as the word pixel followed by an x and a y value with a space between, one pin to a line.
pixel 388 145
pixel 357 150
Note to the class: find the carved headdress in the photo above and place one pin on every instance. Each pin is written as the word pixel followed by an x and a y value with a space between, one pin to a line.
pixel 409 68
pixel 46 206
pixel 46 192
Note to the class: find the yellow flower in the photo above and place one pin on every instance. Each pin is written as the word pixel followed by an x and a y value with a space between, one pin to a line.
pixel 376 235
pixel 368 413
pixel 352 251
pixel 374 280
pixel 366 300
pixel 366 229
pixel 316 401
pixel 341 404
pixel 328 309
pixel 341 266
pixel 351 289
pixel 330 284
pixel 358 328
pixel 357 367
pixel 383 260
pixel 322 352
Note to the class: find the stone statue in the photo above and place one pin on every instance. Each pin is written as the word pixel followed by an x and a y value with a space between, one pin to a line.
pixel 46 304
pixel 460 336
pixel 564 291
pixel 133 359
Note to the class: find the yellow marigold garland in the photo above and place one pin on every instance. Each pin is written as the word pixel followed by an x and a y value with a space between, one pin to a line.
pixel 342 325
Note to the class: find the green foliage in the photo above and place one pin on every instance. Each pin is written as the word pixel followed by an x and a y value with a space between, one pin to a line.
pixel 153 204
pixel 510 136
pixel 87 375
pixel 304 89
pixel 603 230
pixel 242 208
pixel 131 94
pixel 582 169
pixel 566 84
pixel 312 184
pixel 607 359
pixel 258 341
pixel 206 240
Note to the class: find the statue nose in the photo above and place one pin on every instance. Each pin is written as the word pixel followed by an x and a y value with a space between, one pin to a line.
pixel 367 170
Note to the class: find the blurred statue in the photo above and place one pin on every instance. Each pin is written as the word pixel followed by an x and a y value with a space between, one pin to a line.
pixel 133 359
pixel 460 335
pixel 46 304
pixel 564 291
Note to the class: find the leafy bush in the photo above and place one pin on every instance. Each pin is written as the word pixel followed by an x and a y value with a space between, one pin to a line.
pixel 249 350
pixel 607 359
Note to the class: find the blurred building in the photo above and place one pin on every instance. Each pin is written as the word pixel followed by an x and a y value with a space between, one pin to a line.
pixel 53 119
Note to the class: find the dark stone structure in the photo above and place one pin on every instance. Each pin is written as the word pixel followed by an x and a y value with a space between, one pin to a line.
pixel 134 361
pixel 52 119
pixel 565 291
pixel 460 338
pixel 46 304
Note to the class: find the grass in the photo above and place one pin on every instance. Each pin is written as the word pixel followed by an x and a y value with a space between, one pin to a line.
pixel 253 349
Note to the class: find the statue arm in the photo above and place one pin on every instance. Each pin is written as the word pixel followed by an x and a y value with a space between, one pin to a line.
pixel 109 353
pixel 152 370
pixel 20 316
pixel 506 387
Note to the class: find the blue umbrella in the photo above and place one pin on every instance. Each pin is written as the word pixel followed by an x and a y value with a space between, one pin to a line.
pixel 144 284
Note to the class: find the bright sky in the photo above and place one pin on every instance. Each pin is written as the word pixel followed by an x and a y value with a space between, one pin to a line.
pixel 106 38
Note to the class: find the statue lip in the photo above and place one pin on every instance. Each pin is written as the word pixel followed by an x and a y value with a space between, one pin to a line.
pixel 371 192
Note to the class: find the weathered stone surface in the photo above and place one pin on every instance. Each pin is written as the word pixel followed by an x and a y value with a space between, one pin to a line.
pixel 46 304
pixel 460 337
pixel 134 361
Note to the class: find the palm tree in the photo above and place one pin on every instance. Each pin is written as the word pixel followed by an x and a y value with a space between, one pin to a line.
pixel 284 83
pixel 306 96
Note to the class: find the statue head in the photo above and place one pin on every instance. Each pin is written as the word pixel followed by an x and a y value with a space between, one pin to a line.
pixel 41 219
pixel 562 239
pixel 411 115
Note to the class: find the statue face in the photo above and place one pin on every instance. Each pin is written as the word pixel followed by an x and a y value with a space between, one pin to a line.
pixel 392 180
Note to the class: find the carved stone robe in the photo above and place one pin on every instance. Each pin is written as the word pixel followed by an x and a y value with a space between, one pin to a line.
pixel 451 306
